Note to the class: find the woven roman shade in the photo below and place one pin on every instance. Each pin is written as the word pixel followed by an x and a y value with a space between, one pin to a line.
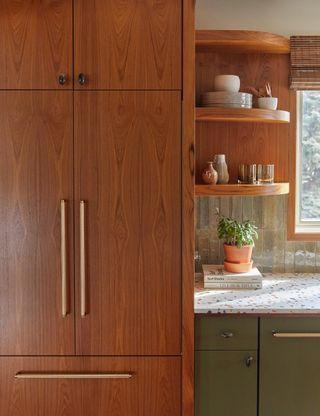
pixel 305 62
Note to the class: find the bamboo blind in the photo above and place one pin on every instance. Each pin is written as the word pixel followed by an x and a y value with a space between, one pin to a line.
pixel 305 62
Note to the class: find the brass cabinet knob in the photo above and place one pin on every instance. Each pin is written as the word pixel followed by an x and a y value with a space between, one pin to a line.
pixel 249 361
pixel 227 334
pixel 62 79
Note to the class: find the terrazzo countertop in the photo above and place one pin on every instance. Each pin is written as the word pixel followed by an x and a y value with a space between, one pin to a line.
pixel 284 293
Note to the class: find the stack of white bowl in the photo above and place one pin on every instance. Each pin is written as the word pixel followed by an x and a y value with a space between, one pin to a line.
pixel 227 94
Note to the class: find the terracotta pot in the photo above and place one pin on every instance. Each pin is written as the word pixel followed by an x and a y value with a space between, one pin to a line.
pixel 238 267
pixel 234 254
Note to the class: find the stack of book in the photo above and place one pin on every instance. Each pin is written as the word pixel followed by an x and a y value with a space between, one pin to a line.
pixel 215 277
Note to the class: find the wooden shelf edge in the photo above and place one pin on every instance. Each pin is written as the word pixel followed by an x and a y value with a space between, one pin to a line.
pixel 241 41
pixel 278 188
pixel 249 115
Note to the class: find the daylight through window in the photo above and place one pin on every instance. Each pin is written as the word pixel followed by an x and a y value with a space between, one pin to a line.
pixel 308 163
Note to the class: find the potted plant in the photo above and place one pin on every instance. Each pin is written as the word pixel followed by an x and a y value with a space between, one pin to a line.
pixel 238 240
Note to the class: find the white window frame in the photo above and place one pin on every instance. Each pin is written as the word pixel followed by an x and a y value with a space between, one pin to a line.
pixel 301 226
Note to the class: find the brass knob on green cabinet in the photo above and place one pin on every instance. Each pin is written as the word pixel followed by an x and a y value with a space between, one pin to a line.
pixel 227 334
pixel 249 361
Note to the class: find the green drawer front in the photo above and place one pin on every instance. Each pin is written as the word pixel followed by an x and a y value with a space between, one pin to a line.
pixel 290 367
pixel 226 333
pixel 225 384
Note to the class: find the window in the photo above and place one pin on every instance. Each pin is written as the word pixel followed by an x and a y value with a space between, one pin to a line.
pixel 307 208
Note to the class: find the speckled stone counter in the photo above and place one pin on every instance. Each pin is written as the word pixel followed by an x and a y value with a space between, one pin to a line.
pixel 281 294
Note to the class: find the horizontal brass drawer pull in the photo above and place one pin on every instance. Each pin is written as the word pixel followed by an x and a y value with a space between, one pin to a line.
pixel 35 376
pixel 296 334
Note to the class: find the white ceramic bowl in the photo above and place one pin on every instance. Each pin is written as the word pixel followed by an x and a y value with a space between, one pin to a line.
pixel 228 83
pixel 268 103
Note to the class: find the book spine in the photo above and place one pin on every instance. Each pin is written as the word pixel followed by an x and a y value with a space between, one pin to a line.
pixel 232 285
pixel 212 279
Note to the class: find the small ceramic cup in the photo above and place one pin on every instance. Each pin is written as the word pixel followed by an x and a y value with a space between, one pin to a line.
pixel 268 103
pixel 227 83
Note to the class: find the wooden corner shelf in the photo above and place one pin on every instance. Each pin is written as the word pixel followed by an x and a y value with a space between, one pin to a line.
pixel 249 115
pixel 241 41
pixel 278 188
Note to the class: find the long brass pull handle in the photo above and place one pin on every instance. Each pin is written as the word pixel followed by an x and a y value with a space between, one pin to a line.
pixel 82 259
pixel 64 296
pixel 52 376
pixel 276 334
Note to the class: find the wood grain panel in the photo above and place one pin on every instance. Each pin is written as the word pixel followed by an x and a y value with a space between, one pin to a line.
pixel 242 115
pixel 154 388
pixel 278 188
pixel 128 150
pixel 129 44
pixel 188 230
pixel 245 142
pixel 36 157
pixel 35 43
pixel 241 41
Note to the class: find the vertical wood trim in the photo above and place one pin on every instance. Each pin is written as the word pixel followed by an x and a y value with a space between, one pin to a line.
pixel 292 235
pixel 292 166
pixel 188 173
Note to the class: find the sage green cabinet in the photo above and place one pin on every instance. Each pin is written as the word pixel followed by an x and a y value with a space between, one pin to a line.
pixel 226 333
pixel 229 354
pixel 289 367
pixel 226 366
pixel 226 383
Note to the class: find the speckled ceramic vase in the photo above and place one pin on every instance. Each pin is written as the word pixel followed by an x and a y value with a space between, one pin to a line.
pixel 209 174
pixel 221 167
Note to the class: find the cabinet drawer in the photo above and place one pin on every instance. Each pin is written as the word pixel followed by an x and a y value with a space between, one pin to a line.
pixel 226 333
pixel 289 331
pixel 289 367
pixel 77 386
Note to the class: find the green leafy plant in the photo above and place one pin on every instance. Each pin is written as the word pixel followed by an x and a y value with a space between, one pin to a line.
pixel 236 233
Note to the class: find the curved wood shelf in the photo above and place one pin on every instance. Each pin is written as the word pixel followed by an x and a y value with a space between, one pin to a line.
pixel 279 188
pixel 249 115
pixel 241 41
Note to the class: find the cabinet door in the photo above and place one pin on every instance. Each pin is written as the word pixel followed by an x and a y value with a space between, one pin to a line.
pixel 128 272
pixel 226 383
pixel 132 44
pixel 36 154
pixel 290 367
pixel 35 44
pixel 73 386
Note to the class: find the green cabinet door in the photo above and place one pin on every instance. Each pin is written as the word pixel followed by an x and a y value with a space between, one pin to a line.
pixel 226 383
pixel 290 367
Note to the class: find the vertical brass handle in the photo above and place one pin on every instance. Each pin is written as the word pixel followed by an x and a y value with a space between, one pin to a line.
pixel 82 259
pixel 64 296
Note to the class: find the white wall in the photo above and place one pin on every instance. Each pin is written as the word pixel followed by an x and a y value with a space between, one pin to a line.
pixel 287 17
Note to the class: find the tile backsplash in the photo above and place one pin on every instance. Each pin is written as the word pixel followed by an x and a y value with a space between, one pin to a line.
pixel 273 252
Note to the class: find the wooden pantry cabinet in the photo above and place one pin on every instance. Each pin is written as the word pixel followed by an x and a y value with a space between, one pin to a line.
pixel 127 173
pixel 130 44
pixel 143 386
pixel 36 174
pixel 36 44
pixel 96 213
